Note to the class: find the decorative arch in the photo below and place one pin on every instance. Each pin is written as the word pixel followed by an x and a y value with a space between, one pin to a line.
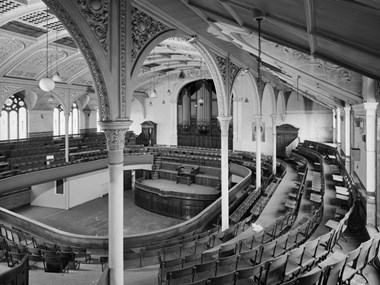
pixel 209 58
pixel 296 102
pixel 82 101
pixel 268 103
pixel 30 99
pixel 7 91
pixel 255 94
pixel 281 105
pixel 86 49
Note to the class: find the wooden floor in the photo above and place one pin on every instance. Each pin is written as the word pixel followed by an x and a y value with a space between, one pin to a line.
pixel 91 218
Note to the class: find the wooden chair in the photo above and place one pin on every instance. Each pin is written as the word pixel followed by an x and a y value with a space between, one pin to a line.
pixel 333 272
pixel 251 257
pixel 69 257
pixel 227 264
pixel 227 250
pixel 205 270
pixel 55 264
pixel 356 263
pixel 180 276
pixel 313 277
pixel 374 251
pixel 295 261
pixel 275 273
pixel 226 279
pixel 311 250
pixel 14 258
pixel 251 275
pixel 168 265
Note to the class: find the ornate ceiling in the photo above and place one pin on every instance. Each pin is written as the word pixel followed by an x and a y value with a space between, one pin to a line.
pixel 323 46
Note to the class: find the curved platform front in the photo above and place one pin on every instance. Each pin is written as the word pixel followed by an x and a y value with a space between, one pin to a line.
pixel 168 198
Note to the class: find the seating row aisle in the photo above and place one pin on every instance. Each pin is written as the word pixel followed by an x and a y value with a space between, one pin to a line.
pixel 267 244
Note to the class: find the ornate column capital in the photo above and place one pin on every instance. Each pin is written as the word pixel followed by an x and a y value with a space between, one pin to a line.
pixel 224 124
pixel 274 117
pixel 257 118
pixel 115 133
pixel 370 108
pixel 347 109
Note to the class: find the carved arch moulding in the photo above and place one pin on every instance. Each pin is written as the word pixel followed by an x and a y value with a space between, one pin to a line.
pixel 88 54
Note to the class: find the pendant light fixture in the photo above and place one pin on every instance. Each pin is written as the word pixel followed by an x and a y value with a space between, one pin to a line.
pixel 258 16
pixel 169 93
pixel 182 75
pixel 47 84
pixel 56 77
pixel 153 94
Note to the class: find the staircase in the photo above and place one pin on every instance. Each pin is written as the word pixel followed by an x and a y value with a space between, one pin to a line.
pixel 156 166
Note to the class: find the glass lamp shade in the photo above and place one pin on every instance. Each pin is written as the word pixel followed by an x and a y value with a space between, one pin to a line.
pixel 153 94
pixel 47 84
pixel 169 92
pixel 200 101
pixel 57 78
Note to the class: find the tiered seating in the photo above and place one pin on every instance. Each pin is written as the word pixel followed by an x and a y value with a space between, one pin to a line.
pixel 27 155
pixel 15 245
pixel 294 197
pixel 267 189
pixel 246 205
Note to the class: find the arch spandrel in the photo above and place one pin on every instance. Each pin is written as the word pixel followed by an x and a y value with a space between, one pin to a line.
pixel 86 47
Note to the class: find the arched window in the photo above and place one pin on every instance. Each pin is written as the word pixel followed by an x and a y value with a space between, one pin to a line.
pixel 59 120
pixel 13 120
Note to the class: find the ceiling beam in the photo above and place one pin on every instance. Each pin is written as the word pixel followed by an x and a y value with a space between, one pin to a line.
pixel 232 12
pixel 309 15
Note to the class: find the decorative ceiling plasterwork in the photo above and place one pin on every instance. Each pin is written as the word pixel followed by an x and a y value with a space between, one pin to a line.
pixel 104 107
pixel 97 16
pixel 8 5
pixel 144 28
pixel 35 64
pixel 9 47
pixel 342 73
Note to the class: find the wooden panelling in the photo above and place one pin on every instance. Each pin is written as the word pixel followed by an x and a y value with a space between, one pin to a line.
pixel 14 199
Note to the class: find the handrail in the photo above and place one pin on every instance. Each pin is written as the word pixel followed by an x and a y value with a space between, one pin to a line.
pixel 50 174
pixel 137 240
pixel 105 277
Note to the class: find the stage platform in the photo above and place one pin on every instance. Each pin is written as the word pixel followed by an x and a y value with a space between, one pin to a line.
pixel 169 185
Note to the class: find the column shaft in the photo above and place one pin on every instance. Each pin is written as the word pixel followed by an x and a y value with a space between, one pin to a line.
pixel 67 146
pixel 371 145
pixel 258 151
pixel 115 134
pixel 334 126
pixel 338 128
pixel 274 144
pixel 224 126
